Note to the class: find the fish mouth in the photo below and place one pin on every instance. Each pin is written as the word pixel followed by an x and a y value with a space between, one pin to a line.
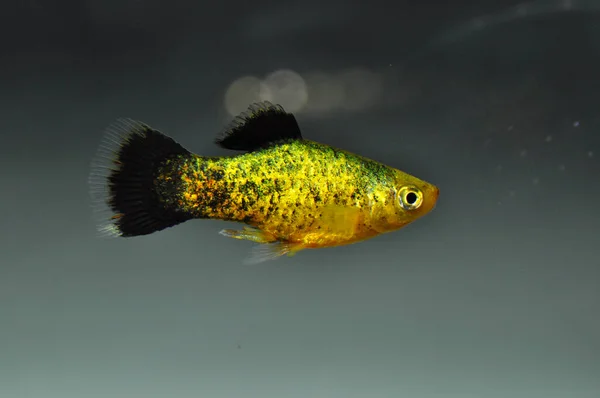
pixel 431 198
pixel 436 194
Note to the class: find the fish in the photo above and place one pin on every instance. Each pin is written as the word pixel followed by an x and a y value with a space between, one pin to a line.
pixel 286 192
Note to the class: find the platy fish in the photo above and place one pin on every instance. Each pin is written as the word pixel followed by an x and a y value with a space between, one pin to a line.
pixel 291 193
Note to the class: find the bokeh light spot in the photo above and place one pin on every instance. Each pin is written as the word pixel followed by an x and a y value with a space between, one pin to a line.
pixel 244 91
pixel 287 88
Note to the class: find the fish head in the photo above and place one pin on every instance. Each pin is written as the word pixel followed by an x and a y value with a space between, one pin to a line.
pixel 407 199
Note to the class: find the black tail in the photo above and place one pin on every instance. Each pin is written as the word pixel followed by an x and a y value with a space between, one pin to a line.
pixel 122 180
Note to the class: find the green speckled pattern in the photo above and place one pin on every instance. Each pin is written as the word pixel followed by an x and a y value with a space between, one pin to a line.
pixel 294 191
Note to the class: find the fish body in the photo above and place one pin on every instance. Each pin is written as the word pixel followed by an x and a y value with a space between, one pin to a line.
pixel 291 193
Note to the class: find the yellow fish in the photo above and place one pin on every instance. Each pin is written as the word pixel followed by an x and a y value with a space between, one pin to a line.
pixel 291 193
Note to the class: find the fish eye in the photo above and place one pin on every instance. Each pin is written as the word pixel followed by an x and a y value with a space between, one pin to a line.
pixel 410 198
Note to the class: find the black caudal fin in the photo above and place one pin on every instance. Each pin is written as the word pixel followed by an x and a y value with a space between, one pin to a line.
pixel 122 180
pixel 261 126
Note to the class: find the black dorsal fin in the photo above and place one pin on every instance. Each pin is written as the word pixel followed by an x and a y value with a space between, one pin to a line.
pixel 261 126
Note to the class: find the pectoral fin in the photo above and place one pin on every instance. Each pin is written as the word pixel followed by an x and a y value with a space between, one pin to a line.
pixel 340 221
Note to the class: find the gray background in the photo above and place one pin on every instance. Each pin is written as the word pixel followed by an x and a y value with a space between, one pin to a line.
pixel 493 294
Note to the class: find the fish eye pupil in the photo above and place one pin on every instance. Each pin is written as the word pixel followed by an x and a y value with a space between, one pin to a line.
pixel 410 198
